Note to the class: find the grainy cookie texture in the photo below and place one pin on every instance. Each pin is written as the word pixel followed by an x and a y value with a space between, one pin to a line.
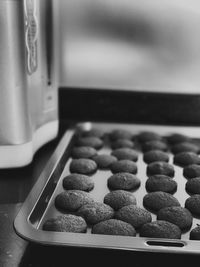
pixel 83 152
pixel 160 182
pixel 185 147
pixel 119 198
pixel 195 233
pixel 96 212
pixel 176 138
pixel 72 200
pixel 114 227
pixel 120 143
pixel 104 161
pixel 191 171
pixel 193 204
pixel 83 166
pixel 160 229
pixel 155 155
pixel 91 141
pixel 120 134
pixel 124 181
pixel 154 145
pixel 125 153
pixel 66 223
pixel 160 167
pixel 146 136
pixel 192 186
pixel 124 165
pixel 184 159
pixel 78 181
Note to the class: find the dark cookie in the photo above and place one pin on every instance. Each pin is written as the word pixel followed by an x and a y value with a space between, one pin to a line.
pixel 161 182
pixel 155 201
pixel 160 167
pixel 191 171
pixel 176 215
pixel 160 229
pixel 155 155
pixel 119 198
pixel 193 186
pixel 120 143
pixel 184 159
pixel 177 138
pixel 83 166
pixel 96 212
pixel 114 227
pixel 78 182
pixel 94 132
pixel 146 136
pixel 154 145
pixel 124 165
pixel 72 200
pixel 195 233
pixel 193 204
pixel 104 161
pixel 66 223
pixel 83 152
pixel 120 134
pixel 125 153
pixel 134 215
pixel 91 141
pixel 124 181
pixel 185 147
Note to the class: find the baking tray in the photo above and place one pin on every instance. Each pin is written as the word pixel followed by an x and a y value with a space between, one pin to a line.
pixel 39 205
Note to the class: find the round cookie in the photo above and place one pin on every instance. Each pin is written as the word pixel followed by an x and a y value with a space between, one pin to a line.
pixel 104 161
pixel 184 159
pixel 83 166
pixel 114 227
pixel 78 182
pixel 191 171
pixel 134 215
pixel 72 200
pixel 125 153
pixel 123 165
pixel 192 186
pixel 120 134
pixel 184 147
pixel 91 141
pixel 66 223
pixel 155 201
pixel 94 132
pixel 176 138
pixel 96 212
pixel 154 145
pixel 176 215
pixel 195 233
pixel 83 152
pixel 193 204
pixel 160 167
pixel 160 229
pixel 119 198
pixel 120 143
pixel 155 155
pixel 146 136
pixel 124 181
pixel 161 182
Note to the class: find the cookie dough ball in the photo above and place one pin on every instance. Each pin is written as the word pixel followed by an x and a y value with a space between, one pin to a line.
pixel 119 198
pixel 120 134
pixel 155 201
pixel 114 227
pixel 176 215
pixel 191 171
pixel 193 204
pixel 66 223
pixel 177 138
pixel 104 161
pixel 83 166
pixel 193 186
pixel 78 181
pixel 184 159
pixel 125 153
pixel 96 212
pixel 94 132
pixel 160 229
pixel 72 200
pixel 161 182
pixel 91 141
pixel 83 152
pixel 185 147
pixel 146 136
pixel 195 233
pixel 134 215
pixel 155 155
pixel 124 165
pixel 124 181
pixel 160 167
pixel 120 143
pixel 154 145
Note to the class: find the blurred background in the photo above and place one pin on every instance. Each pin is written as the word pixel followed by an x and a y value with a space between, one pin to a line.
pixel 151 45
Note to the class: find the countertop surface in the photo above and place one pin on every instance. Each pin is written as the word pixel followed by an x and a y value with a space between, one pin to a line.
pixel 15 185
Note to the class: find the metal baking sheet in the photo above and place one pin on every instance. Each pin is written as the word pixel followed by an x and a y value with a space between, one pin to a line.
pixel 39 205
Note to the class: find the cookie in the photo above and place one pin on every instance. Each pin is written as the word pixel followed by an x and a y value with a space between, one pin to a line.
pixel 124 181
pixel 191 171
pixel 176 138
pixel 124 165
pixel 72 200
pixel 154 145
pixel 83 152
pixel 91 141
pixel 104 161
pixel 193 204
pixel 96 212
pixel 125 153
pixel 120 134
pixel 120 143
pixel 160 229
pixel 134 215
pixel 155 155
pixel 184 159
pixel 160 167
pixel 176 215
pixel 162 183
pixel 155 201
pixel 146 136
pixel 185 147
pixel 192 186
pixel 195 233
pixel 114 227
pixel 66 223
pixel 83 166
pixel 94 132
pixel 78 182
pixel 119 198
